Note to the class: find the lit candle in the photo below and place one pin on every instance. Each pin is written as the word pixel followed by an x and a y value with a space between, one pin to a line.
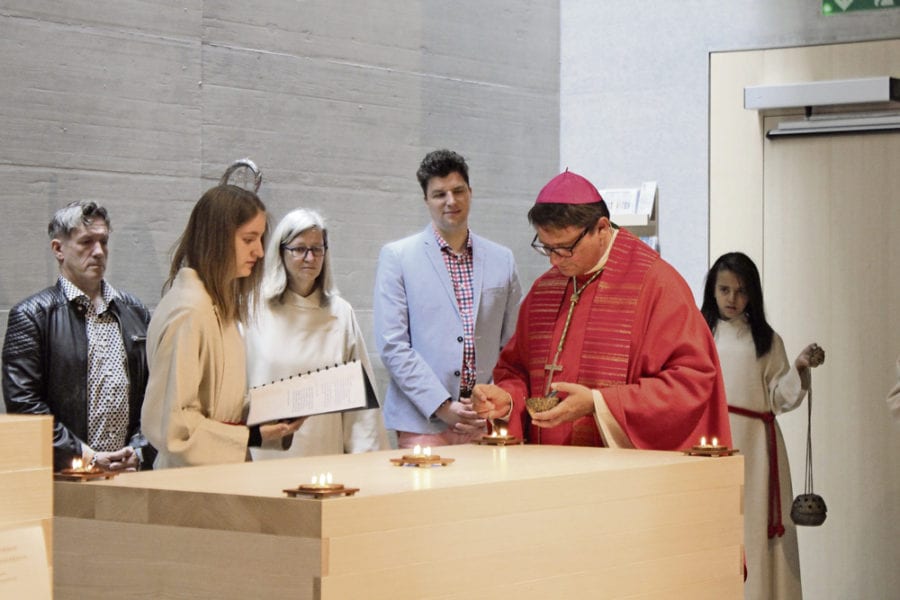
pixel 715 442
pixel 321 480
pixel 427 451
pixel 703 441
pixel 77 464
pixel 503 432
pixel 417 450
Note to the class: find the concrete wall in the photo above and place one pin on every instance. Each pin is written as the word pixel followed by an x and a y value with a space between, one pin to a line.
pixel 142 104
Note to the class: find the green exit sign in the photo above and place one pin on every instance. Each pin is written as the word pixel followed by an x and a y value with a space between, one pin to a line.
pixel 836 7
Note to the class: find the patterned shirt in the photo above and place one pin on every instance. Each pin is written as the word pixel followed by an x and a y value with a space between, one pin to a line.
pixel 107 377
pixel 460 268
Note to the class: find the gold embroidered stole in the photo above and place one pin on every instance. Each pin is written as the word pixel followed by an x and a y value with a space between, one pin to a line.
pixel 605 340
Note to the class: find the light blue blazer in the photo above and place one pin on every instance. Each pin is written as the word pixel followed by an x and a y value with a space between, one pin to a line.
pixel 419 330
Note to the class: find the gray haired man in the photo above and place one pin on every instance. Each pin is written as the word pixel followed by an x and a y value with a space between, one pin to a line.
pixel 76 350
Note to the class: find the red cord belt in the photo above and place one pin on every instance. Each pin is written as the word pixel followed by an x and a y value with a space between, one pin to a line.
pixel 776 527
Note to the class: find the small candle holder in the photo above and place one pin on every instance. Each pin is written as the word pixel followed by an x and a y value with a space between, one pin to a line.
pixel 712 449
pixel 321 486
pixel 422 458
pixel 320 490
pixel 77 472
pixel 499 440
pixel 83 474
pixel 499 437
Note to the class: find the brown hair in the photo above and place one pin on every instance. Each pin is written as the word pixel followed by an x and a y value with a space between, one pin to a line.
pixel 560 216
pixel 207 246
pixel 440 163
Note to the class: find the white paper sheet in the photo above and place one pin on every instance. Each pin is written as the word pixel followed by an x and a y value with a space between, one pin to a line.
pixel 331 389
pixel 23 564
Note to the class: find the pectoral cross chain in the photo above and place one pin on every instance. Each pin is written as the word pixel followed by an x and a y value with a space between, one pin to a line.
pixel 551 369
pixel 554 366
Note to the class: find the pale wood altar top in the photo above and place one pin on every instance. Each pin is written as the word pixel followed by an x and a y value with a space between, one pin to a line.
pixel 486 479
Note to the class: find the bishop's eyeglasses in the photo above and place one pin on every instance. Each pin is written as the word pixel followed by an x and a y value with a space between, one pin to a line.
pixel 301 251
pixel 561 251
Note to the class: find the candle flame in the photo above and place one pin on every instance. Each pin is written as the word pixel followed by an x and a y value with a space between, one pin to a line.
pixel 77 464
pixel 715 442
pixel 417 450
pixel 329 477
pixel 502 432
pixel 427 451
pixel 703 441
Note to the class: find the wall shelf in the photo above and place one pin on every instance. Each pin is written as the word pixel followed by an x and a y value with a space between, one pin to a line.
pixel 635 209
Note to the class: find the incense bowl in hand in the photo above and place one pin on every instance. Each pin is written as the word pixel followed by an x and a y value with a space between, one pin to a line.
pixel 538 404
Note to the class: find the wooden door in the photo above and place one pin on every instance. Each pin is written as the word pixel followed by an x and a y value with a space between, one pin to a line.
pixel 821 216
pixel 831 255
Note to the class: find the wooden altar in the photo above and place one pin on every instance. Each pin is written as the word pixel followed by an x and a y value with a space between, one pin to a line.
pixel 499 522
pixel 26 505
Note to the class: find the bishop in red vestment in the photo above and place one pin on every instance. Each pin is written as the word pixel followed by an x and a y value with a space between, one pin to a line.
pixel 631 357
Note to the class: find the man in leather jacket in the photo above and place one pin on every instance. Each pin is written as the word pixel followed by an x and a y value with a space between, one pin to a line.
pixel 76 350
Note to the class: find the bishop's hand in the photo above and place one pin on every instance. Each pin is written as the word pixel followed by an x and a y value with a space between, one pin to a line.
pixel 578 403
pixel 491 401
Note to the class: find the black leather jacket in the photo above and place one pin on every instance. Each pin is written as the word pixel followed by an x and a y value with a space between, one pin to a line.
pixel 45 367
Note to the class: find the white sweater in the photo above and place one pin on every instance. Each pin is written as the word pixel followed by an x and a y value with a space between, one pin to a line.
pixel 300 335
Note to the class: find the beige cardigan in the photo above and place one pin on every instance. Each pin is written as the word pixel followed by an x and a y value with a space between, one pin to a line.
pixel 195 398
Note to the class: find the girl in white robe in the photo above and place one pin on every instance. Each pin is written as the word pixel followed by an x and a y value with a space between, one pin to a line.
pixel 760 383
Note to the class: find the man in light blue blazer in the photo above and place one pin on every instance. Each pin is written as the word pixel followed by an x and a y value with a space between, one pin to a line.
pixel 445 304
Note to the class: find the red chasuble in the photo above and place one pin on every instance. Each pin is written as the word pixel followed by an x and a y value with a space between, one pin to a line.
pixel 637 336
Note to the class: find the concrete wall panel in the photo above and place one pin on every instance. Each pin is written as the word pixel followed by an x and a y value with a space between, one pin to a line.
pixel 142 104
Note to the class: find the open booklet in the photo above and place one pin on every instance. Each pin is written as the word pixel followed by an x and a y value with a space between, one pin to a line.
pixel 329 389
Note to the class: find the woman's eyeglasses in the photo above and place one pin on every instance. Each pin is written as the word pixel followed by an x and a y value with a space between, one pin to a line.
pixel 301 251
